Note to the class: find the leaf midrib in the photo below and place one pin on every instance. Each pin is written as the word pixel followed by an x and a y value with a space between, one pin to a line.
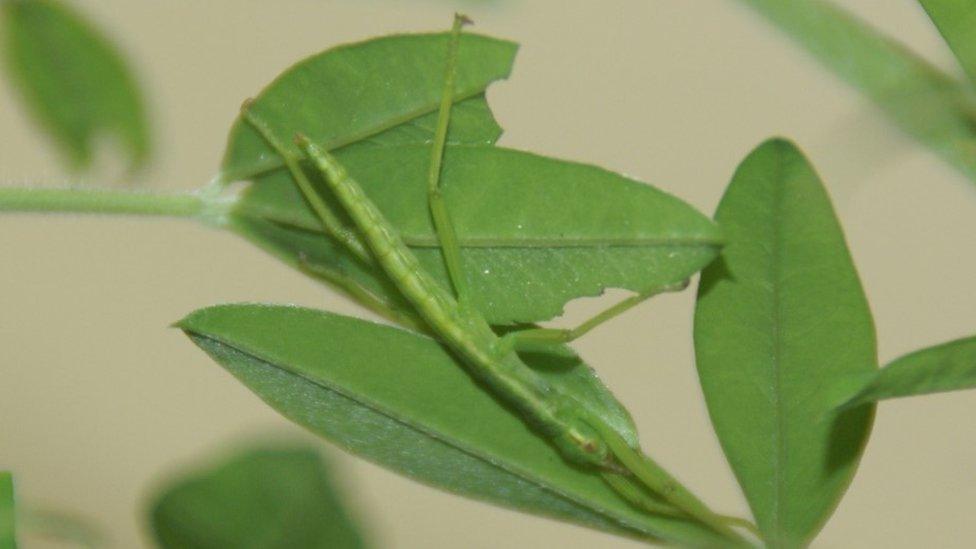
pixel 776 315
pixel 528 242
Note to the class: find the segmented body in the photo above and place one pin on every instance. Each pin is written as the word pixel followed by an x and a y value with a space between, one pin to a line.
pixel 466 332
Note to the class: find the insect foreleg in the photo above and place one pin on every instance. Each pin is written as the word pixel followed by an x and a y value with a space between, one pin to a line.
pixel 534 338
pixel 330 223
pixel 438 208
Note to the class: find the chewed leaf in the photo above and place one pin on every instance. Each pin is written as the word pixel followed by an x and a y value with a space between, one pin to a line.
pixel 535 232
pixel 382 91
pixel 947 367
pixel 399 399
pixel 74 81
pixel 781 321
pixel 265 497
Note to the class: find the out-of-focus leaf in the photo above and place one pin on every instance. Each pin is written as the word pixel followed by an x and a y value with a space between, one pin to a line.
pixel 380 92
pixel 781 320
pixel 56 524
pixel 74 81
pixel 8 532
pixel 929 105
pixel 272 497
pixel 956 21
pixel 535 232
pixel 399 399
pixel 947 367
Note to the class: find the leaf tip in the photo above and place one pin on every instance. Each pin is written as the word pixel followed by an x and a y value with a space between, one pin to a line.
pixel 191 322
pixel 779 145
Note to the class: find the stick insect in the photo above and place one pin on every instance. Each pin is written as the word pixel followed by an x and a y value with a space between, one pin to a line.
pixel 580 436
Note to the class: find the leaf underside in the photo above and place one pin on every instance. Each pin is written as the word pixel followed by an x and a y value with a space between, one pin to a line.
pixel 781 325
pixel 400 400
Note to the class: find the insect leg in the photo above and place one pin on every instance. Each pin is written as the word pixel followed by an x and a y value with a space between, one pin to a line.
pixel 533 338
pixel 659 482
pixel 332 225
pixel 438 208
pixel 372 301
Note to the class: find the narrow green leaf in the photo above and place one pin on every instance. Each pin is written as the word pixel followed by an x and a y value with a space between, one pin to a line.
pixel 262 498
pixel 535 232
pixel 934 108
pixel 781 319
pixel 8 533
pixel 74 80
pixel 956 21
pixel 400 400
pixel 379 92
pixel 947 367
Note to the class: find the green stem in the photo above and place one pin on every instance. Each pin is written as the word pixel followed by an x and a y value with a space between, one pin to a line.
pixel 105 201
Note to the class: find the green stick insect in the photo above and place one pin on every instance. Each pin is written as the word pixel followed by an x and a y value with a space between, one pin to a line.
pixel 580 436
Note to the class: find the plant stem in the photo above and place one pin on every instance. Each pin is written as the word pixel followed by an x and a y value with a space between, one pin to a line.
pixel 104 201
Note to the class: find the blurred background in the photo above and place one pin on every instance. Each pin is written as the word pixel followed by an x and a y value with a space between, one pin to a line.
pixel 100 399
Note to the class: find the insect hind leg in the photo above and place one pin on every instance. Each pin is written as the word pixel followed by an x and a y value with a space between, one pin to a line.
pixel 534 338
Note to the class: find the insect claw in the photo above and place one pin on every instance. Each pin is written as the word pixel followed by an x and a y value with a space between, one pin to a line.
pixel 300 139
pixel 246 105
pixel 464 19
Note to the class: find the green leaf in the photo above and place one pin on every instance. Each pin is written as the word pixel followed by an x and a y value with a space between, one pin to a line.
pixel 74 81
pixel 947 367
pixel 8 534
pixel 382 91
pixel 934 108
pixel 956 21
pixel 535 232
pixel 399 399
pixel 265 497
pixel 781 319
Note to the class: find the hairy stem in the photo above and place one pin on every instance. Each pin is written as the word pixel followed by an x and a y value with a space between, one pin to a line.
pixel 195 205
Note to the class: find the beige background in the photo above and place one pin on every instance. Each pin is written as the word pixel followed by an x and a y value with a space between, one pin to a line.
pixel 98 398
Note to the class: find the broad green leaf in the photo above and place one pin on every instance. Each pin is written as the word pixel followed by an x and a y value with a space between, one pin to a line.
pixel 382 91
pixel 781 320
pixel 74 81
pixel 262 498
pixel 399 399
pixel 947 367
pixel 929 105
pixel 535 232
pixel 956 21
pixel 8 533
